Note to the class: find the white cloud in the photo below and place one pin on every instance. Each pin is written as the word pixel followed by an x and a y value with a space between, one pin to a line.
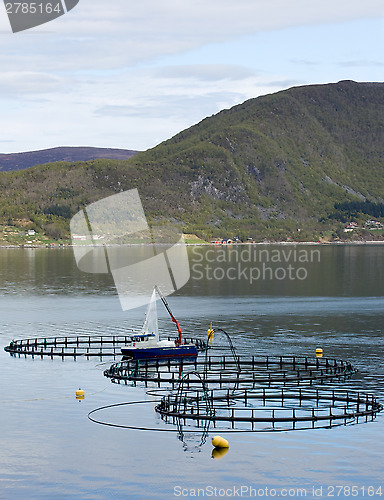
pixel 101 35
pixel 361 63
pixel 205 72
pixel 27 83
pixel 135 110
pixel 119 74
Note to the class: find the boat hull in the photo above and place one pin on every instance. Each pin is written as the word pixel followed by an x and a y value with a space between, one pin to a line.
pixel 183 351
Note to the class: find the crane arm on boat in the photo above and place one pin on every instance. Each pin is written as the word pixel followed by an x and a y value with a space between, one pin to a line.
pixel 170 313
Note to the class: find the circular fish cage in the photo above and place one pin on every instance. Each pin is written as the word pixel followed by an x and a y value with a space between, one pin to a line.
pixel 87 346
pixel 243 393
pixel 227 371
pixel 263 409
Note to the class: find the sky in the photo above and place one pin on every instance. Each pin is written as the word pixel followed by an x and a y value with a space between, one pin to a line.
pixel 121 74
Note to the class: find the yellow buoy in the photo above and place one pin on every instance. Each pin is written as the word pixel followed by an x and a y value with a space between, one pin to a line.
pixel 220 442
pixel 210 334
pixel 319 352
pixel 218 453
pixel 80 394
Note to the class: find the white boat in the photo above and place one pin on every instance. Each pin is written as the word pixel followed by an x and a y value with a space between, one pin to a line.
pixel 147 343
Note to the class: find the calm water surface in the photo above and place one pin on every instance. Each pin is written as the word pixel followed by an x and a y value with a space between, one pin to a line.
pixel 50 449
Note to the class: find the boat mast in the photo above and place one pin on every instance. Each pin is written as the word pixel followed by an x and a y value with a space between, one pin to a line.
pixel 170 313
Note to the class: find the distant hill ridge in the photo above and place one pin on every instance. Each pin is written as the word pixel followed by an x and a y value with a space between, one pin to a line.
pixel 273 167
pixel 20 161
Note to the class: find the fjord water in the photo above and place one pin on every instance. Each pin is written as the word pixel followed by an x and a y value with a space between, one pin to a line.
pixel 333 299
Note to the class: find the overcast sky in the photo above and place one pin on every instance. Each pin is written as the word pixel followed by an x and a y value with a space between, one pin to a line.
pixel 115 73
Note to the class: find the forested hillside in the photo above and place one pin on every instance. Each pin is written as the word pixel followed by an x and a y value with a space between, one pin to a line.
pixel 271 168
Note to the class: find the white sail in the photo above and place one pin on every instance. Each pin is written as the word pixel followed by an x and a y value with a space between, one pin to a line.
pixel 150 324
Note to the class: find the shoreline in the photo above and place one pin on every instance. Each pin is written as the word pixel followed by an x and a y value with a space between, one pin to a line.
pixel 231 245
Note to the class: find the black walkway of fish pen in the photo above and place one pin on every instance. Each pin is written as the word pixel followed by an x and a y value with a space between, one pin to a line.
pixel 87 346
pixel 223 370
pixel 267 408
pixel 239 393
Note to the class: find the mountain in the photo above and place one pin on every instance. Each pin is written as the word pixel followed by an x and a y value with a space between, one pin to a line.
pixel 273 167
pixel 20 161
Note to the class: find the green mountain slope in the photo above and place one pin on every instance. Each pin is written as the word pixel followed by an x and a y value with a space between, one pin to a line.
pixel 263 169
